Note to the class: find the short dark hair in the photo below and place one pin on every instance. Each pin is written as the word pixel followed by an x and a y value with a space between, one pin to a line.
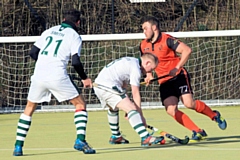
pixel 150 19
pixel 72 15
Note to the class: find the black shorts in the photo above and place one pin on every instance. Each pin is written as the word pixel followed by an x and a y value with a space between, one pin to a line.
pixel 176 86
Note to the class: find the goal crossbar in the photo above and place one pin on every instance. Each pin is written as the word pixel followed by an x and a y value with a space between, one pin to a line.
pixel 109 37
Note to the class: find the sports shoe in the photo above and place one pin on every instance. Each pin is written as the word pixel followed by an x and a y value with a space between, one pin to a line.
pixel 222 124
pixel 148 141
pixel 17 151
pixel 118 140
pixel 83 146
pixel 198 136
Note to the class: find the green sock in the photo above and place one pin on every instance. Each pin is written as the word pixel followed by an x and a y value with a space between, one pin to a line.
pixel 80 120
pixel 24 124
pixel 113 120
pixel 136 122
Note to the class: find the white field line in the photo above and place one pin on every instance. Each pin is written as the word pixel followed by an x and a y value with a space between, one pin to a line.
pixel 134 148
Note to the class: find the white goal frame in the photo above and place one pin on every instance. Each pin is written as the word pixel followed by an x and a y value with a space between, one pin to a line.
pixel 127 36
pixel 131 36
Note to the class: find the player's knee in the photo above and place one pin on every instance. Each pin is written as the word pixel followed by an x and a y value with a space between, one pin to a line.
pixel 80 106
pixel 30 108
pixel 78 103
pixel 112 110
pixel 190 104
pixel 171 110
pixel 171 113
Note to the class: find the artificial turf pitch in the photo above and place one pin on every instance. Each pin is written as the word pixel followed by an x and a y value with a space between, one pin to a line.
pixel 52 135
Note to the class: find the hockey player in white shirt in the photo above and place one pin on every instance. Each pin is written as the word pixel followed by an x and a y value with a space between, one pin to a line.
pixel 114 77
pixel 52 52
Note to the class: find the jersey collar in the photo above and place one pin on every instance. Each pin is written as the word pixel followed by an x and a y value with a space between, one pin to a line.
pixel 68 24
pixel 159 37
pixel 140 62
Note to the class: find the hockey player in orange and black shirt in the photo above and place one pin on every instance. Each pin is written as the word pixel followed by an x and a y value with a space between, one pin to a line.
pixel 177 84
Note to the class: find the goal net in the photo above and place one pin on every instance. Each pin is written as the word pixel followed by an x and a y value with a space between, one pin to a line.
pixel 214 67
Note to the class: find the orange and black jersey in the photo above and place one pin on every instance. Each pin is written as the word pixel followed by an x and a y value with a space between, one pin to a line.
pixel 165 49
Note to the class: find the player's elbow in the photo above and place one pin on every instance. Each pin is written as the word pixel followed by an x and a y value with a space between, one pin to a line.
pixel 76 60
pixel 34 52
pixel 189 50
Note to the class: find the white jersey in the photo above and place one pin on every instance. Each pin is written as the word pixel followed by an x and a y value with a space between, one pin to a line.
pixel 56 45
pixel 126 69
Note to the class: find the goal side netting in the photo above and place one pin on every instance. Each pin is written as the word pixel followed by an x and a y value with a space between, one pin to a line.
pixel 214 67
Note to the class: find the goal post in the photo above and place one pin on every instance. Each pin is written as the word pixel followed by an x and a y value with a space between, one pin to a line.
pixel 214 67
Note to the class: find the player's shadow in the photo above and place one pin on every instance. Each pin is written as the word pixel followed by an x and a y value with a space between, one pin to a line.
pixel 123 148
pixel 219 140
pixel 169 144
pixel 126 148
pixel 48 153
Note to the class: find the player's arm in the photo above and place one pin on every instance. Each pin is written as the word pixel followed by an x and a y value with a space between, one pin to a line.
pixel 135 76
pixel 148 78
pixel 136 95
pixel 181 48
pixel 76 63
pixel 34 52
pixel 137 100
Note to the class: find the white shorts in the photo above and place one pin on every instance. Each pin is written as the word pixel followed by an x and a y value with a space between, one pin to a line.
pixel 62 90
pixel 107 98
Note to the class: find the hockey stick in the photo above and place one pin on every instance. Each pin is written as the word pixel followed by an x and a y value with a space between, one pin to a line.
pixel 155 79
pixel 113 90
pixel 170 136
